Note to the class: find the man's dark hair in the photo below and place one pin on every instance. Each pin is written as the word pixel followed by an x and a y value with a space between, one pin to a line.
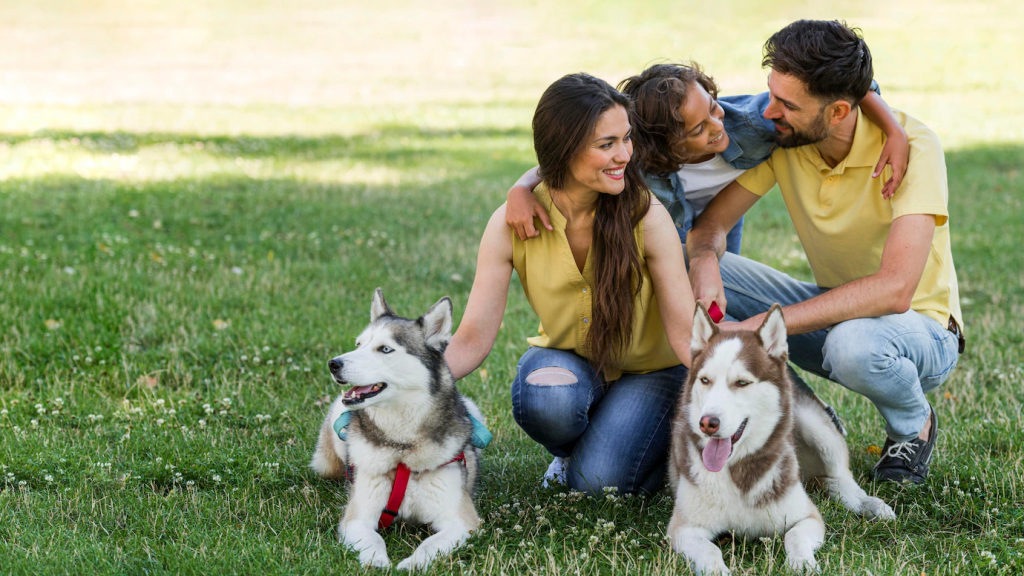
pixel 831 58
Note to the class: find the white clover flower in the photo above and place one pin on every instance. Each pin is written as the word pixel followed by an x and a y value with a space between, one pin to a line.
pixel 202 423
pixel 216 478
pixel 48 478
pixel 223 412
pixel 34 423
pixel 159 421
pixel 160 401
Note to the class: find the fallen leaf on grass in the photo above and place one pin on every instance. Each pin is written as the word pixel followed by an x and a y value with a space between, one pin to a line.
pixel 52 324
pixel 874 450
pixel 219 324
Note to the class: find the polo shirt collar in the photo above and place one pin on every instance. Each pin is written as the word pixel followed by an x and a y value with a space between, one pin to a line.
pixel 868 140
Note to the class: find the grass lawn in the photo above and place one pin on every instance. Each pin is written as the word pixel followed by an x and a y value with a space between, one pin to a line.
pixel 175 273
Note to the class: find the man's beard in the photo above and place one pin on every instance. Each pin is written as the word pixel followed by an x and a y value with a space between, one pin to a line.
pixel 816 132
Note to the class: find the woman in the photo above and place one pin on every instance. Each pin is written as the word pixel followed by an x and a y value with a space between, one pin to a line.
pixel 598 385
pixel 692 144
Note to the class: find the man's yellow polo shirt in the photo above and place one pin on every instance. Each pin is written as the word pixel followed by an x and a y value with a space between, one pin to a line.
pixel 843 221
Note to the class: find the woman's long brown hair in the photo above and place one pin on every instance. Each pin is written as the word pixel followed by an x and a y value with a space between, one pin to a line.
pixel 563 127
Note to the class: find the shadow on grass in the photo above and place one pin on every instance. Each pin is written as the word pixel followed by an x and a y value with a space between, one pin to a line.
pixel 390 142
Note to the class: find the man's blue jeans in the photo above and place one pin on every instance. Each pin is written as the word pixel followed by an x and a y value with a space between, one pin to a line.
pixel 892 360
pixel 614 435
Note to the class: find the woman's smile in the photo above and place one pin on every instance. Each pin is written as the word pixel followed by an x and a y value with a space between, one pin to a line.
pixel 615 173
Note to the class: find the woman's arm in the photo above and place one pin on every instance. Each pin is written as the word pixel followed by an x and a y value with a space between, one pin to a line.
pixel 473 340
pixel 521 207
pixel 896 151
pixel 664 254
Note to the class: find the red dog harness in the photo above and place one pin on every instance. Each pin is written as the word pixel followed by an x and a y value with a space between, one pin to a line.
pixel 390 512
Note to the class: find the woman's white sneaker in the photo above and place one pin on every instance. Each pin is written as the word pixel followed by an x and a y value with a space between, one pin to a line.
pixel 556 472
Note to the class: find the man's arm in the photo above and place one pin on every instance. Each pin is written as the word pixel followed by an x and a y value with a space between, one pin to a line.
pixel 473 340
pixel 888 291
pixel 706 241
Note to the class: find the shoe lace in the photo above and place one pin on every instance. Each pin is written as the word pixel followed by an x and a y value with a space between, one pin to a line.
pixel 902 450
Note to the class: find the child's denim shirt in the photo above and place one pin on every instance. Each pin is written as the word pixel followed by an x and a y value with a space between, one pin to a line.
pixel 750 143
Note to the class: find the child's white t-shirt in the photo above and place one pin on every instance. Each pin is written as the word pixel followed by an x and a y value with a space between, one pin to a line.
pixel 702 181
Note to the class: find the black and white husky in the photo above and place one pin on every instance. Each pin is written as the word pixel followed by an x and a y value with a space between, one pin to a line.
pixel 742 439
pixel 402 407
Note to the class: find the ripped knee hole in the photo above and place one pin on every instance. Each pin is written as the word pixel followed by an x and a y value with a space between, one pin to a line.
pixel 551 376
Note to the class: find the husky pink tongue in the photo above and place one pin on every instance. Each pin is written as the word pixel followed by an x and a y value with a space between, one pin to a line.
pixel 359 390
pixel 716 453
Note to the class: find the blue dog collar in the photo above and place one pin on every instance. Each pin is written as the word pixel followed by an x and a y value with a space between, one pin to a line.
pixel 481 435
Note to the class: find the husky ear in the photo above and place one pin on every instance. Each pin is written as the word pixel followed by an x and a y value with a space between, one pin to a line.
pixel 773 333
pixel 379 307
pixel 703 329
pixel 437 324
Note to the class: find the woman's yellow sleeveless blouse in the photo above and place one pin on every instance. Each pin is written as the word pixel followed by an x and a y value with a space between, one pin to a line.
pixel 563 297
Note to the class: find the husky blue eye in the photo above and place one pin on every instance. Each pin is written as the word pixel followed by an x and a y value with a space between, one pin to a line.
pixel 742 383
pixel 385 349
pixel 704 380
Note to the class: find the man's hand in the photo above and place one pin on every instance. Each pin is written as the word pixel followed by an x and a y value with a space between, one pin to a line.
pixel 895 153
pixel 706 279
pixel 520 211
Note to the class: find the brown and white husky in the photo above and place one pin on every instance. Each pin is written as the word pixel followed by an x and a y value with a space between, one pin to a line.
pixel 742 440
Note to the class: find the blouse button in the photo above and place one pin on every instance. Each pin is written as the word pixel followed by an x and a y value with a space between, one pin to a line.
pixel 586 320
pixel 584 290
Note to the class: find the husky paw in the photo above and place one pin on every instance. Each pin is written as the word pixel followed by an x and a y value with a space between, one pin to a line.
pixel 374 559
pixel 875 509
pixel 803 565
pixel 412 563
pixel 716 566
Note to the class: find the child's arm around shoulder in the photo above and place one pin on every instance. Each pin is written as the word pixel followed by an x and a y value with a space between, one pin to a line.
pixel 521 207
pixel 896 151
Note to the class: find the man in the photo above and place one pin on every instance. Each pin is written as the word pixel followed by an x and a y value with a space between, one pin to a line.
pixel 883 316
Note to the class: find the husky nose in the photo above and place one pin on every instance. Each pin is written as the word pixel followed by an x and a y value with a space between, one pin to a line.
pixel 709 424
pixel 335 365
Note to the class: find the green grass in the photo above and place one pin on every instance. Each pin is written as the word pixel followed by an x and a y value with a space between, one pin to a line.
pixel 150 252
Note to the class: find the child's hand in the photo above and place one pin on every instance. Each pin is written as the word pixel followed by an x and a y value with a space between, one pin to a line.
pixel 520 211
pixel 895 153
